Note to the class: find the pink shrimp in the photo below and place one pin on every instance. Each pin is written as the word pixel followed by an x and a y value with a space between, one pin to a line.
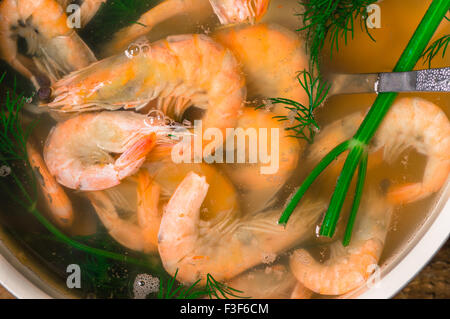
pixel 226 249
pixel 81 152
pixel 348 267
pixel 55 47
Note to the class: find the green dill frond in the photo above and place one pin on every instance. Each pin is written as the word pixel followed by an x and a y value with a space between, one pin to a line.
pixel 12 136
pixel 212 288
pixel 301 117
pixel 434 48
pixel 175 290
pixel 333 20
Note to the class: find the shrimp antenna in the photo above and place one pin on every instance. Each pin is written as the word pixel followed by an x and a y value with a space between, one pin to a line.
pixel 357 146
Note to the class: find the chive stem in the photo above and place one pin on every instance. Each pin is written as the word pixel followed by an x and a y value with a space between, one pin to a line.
pixel 358 144
pixel 330 157
pixel 357 200
pixel 337 200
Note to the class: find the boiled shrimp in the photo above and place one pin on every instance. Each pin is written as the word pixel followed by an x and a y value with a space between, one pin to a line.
pixel 257 188
pixel 225 249
pixel 58 202
pixel 177 71
pixel 239 11
pixel 411 122
pixel 271 71
pixel 152 186
pixel 348 267
pixel 55 48
pixel 82 152
pixel 228 11
pixel 417 123
pixel 140 233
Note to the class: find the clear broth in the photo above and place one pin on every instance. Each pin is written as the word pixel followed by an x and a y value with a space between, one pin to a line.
pixel 399 19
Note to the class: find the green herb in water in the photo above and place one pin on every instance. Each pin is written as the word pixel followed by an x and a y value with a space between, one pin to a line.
pixel 437 46
pixel 333 20
pixel 301 118
pixel 358 145
pixel 212 288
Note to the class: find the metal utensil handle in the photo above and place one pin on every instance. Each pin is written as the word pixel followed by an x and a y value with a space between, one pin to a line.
pixel 429 80
pixel 433 80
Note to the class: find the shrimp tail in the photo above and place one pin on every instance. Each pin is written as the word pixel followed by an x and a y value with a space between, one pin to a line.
pixel 406 193
pixel 125 233
pixel 132 158
pixel 345 275
pixel 149 217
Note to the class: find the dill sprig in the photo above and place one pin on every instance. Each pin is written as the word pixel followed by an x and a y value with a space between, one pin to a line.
pixel 212 288
pixel 358 145
pixel 437 46
pixel 176 291
pixel 301 117
pixel 334 20
pixel 12 136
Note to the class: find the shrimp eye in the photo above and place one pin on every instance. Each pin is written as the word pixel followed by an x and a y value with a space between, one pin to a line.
pixel 133 50
pixel 44 93
pixel 145 48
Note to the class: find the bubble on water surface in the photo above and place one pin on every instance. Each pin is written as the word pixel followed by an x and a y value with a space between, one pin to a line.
pixel 5 170
pixel 144 285
pixel 268 258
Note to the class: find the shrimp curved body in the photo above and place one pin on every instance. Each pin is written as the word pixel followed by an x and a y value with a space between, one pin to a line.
pixel 348 267
pixel 57 200
pixel 177 72
pixel 411 122
pixel 226 249
pixel 55 48
pixel 228 12
pixel 95 151
pixel 271 70
pixel 152 186
pixel 140 231
pixel 420 124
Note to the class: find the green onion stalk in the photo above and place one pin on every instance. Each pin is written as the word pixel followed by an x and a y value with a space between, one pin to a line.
pixel 358 145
